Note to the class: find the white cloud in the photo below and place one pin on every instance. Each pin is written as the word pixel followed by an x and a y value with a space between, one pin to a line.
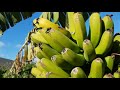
pixel 2 44
pixel 18 45
pixel 2 55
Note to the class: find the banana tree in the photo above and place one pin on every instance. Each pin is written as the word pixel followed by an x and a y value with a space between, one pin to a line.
pixel 9 19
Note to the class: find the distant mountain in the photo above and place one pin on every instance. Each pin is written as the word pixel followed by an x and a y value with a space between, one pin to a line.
pixel 7 63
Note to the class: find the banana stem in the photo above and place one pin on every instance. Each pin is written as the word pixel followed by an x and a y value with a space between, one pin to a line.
pixel 116 54
pixel 110 15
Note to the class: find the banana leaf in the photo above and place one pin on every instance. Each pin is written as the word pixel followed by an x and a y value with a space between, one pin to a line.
pixel 17 16
pixel 9 18
pixel 3 23
pixel 26 14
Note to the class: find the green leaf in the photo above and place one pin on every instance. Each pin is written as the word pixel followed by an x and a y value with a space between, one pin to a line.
pixel 9 18
pixel 17 16
pixel 5 19
pixel 26 14
pixel 2 23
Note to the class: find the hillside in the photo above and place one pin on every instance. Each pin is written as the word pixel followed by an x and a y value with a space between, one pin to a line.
pixel 6 63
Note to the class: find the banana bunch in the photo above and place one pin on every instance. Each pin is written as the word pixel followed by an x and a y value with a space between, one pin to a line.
pixel 71 52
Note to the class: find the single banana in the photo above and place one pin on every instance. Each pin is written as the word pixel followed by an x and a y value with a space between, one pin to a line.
pixel 52 75
pixel 71 25
pixel 64 31
pixel 95 28
pixel 35 71
pixel 78 72
pixel 35 23
pixel 116 74
pixel 38 65
pixel 109 60
pixel 105 43
pixel 49 52
pixel 51 41
pixel 63 40
pixel 49 66
pixel 38 38
pixel 42 75
pixel 116 43
pixel 38 52
pixel 97 68
pixel 44 23
pixel 72 57
pixel 80 29
pixel 89 50
pixel 108 22
pixel 109 75
pixel 59 61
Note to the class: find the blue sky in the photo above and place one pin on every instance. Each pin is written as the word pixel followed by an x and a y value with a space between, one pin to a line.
pixel 13 38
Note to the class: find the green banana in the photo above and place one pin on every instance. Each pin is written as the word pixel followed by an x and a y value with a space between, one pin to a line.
pixel 63 40
pixel 49 66
pixel 51 41
pixel 38 52
pixel 108 22
pixel 109 75
pixel 116 43
pixel 97 68
pixel 95 28
pixel 38 38
pixel 78 72
pixel 71 25
pixel 64 31
pixel 42 75
pixel 52 75
pixel 49 52
pixel 59 61
pixel 116 74
pixel 44 23
pixel 109 60
pixel 80 29
pixel 38 65
pixel 89 50
pixel 72 57
pixel 35 71
pixel 105 43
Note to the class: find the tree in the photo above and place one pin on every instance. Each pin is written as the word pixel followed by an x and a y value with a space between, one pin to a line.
pixel 9 19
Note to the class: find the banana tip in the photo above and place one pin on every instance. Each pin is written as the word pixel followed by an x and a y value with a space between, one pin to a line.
pixel 64 50
pixel 75 70
pixel 86 41
pixel 98 60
